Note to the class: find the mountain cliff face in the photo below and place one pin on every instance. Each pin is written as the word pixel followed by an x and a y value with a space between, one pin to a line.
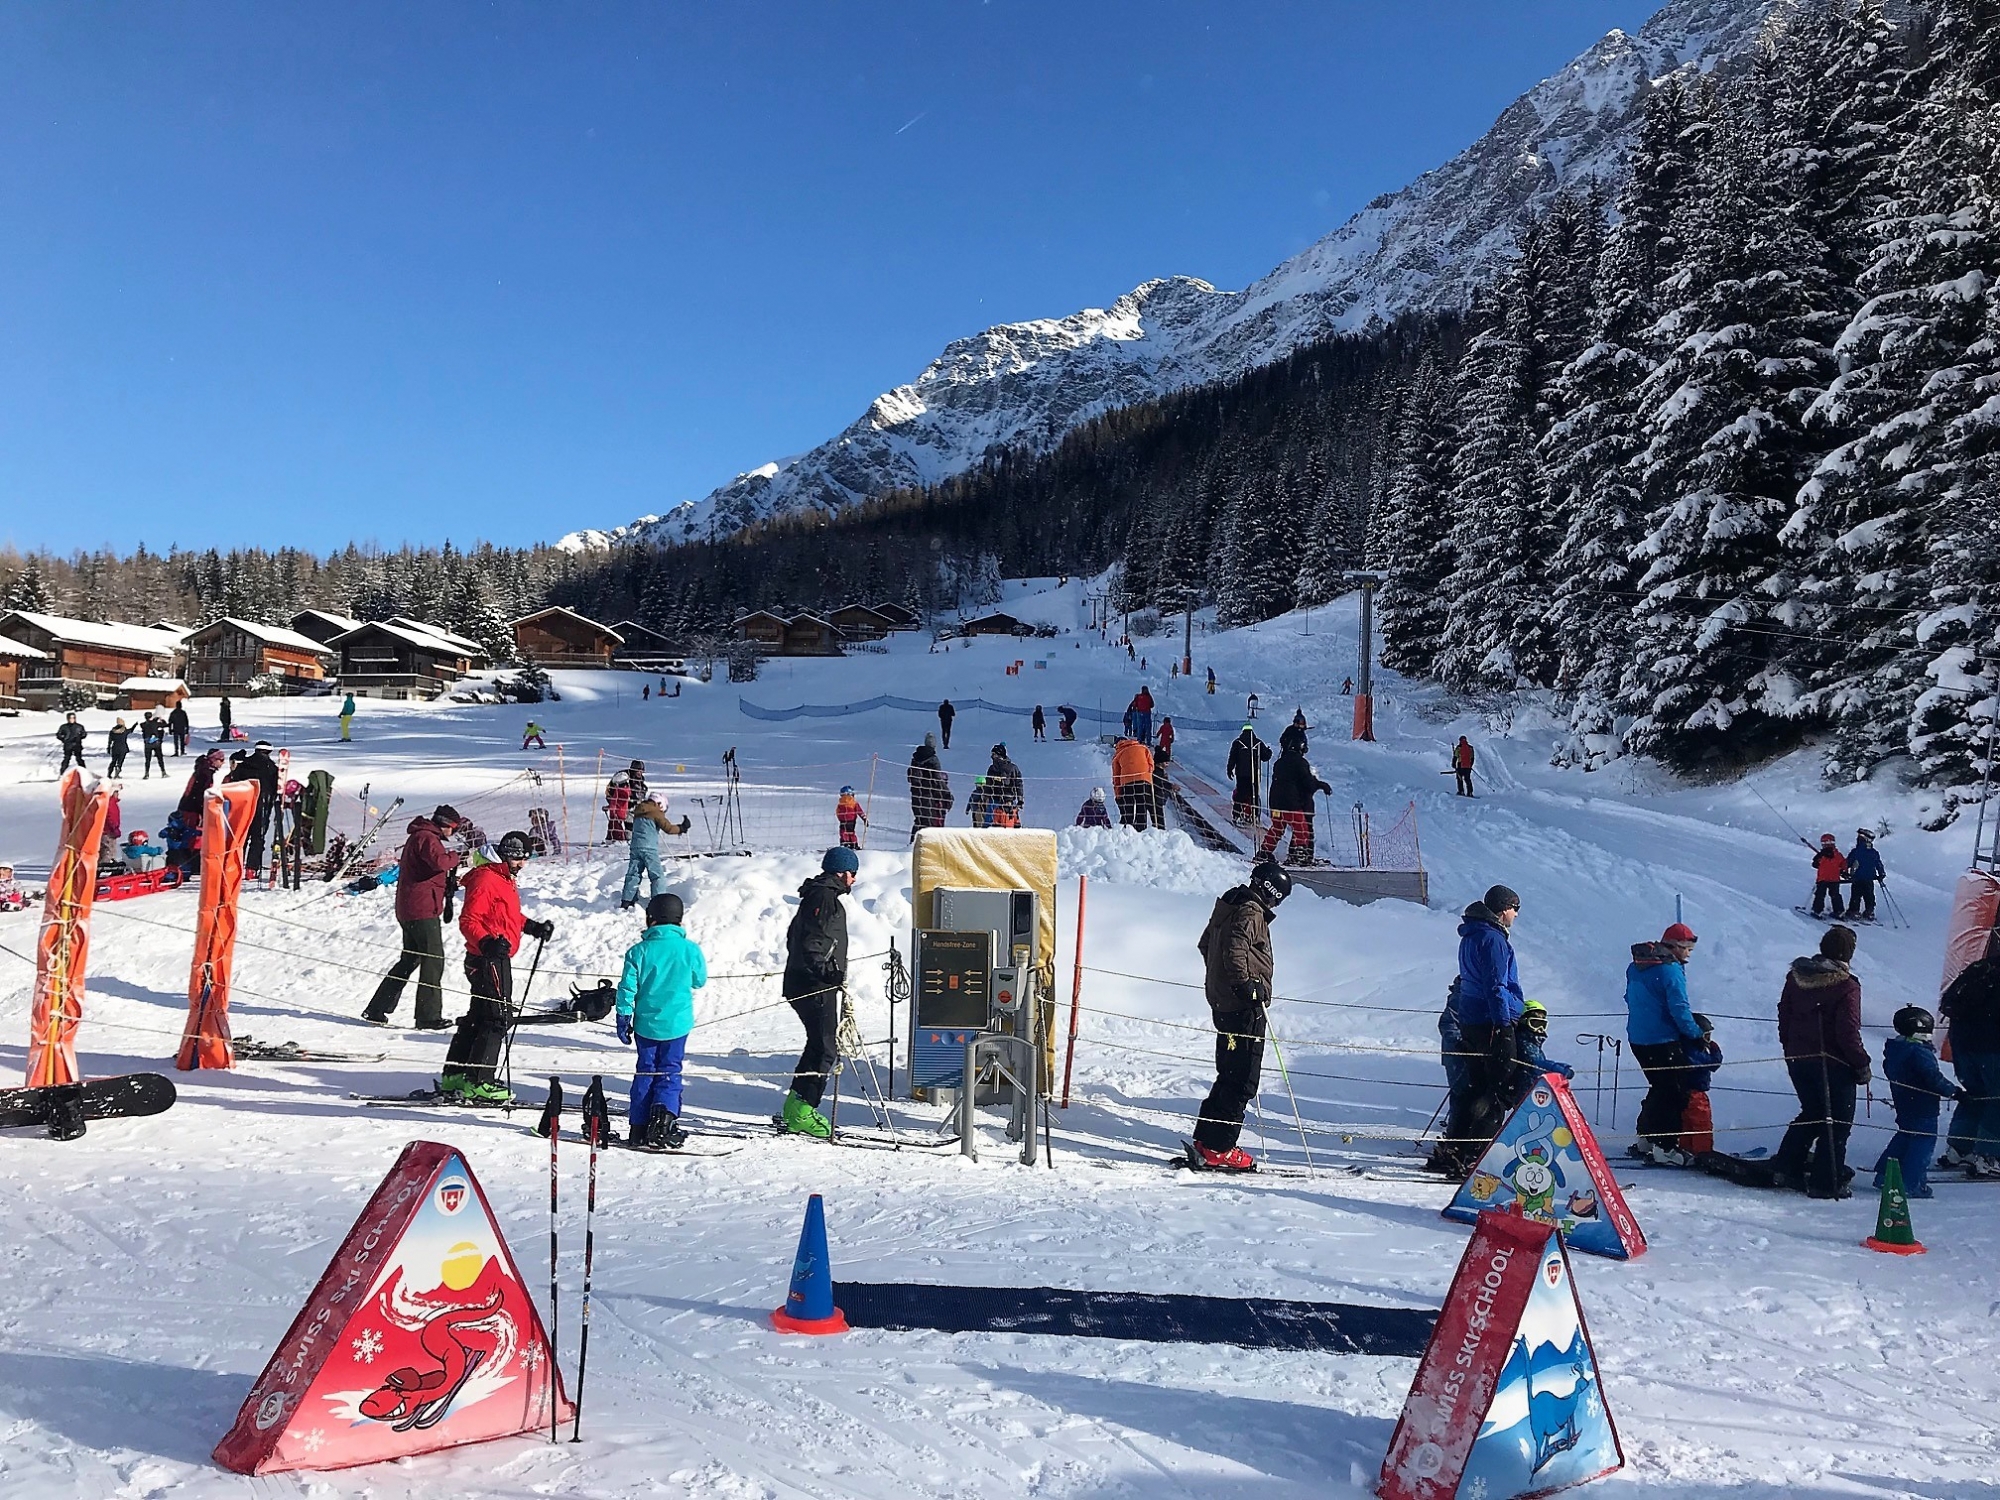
pixel 1424 247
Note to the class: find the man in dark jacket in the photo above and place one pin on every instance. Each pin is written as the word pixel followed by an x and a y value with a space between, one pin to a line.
pixel 1819 1030
pixel 1005 787
pixel 815 980
pixel 1971 1008
pixel 152 739
pixel 1236 978
pixel 1294 737
pixel 258 766
pixel 178 726
pixel 1247 755
pixel 225 718
pixel 1864 870
pixel 1489 1003
pixel 946 713
pixel 1293 783
pixel 117 745
pixel 69 734
pixel 425 877
pixel 930 788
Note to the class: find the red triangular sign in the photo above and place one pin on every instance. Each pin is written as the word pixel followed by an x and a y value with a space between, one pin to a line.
pixel 419 1336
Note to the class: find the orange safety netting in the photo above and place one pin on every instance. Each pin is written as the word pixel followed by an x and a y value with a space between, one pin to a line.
pixel 64 941
pixel 226 816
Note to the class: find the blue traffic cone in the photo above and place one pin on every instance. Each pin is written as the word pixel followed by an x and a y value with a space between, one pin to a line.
pixel 809 1304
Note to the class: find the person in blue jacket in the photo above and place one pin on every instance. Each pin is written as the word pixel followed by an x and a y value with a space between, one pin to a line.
pixel 1660 1025
pixel 1488 1004
pixel 1917 1088
pixel 1529 1037
pixel 656 1011
pixel 1864 869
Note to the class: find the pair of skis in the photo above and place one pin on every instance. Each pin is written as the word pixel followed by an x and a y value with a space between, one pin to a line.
pixel 596 1130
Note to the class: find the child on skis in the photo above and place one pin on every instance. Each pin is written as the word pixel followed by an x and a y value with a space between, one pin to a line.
pixel 847 812
pixel 1917 1087
pixel 656 1012
pixel 1697 1118
pixel 1529 1037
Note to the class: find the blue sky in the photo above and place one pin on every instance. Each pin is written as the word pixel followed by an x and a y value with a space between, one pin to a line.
pixel 277 273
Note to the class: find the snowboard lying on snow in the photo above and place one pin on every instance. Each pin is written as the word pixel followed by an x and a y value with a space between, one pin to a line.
pixel 65 1108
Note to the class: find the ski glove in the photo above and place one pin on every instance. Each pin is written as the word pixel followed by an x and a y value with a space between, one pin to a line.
pixel 1254 995
pixel 541 929
pixel 625 1030
pixel 494 949
pixel 686 823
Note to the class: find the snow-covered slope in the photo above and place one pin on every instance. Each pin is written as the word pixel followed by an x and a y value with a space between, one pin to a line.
pixel 1423 247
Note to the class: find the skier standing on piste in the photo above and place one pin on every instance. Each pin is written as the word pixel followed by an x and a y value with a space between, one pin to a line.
pixel 815 981
pixel 492 925
pixel 1237 967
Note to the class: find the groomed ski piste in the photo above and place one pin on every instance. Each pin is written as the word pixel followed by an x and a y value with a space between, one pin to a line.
pixel 1755 1350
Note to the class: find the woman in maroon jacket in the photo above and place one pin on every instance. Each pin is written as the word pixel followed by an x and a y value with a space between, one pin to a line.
pixel 1819 1027
pixel 423 880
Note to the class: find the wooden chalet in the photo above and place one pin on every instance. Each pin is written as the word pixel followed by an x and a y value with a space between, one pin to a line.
pixel 995 624
pixel 90 653
pixel 861 622
pixel 789 635
pixel 559 637
pixel 142 693
pixel 225 654
pixel 13 656
pixel 399 659
pixel 899 616
pixel 322 625
pixel 761 628
pixel 647 649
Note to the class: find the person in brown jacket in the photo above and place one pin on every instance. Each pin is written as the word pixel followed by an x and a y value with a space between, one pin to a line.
pixel 1819 1028
pixel 1236 952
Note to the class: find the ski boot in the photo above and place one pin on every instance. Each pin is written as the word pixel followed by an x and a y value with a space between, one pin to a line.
pixel 1235 1159
pixel 800 1118
pixel 663 1130
pixel 459 1089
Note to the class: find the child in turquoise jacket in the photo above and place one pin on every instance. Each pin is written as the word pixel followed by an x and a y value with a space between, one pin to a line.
pixel 656 1010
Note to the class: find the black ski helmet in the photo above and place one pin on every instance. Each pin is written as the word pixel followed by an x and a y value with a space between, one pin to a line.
pixel 1914 1020
pixel 515 845
pixel 1269 883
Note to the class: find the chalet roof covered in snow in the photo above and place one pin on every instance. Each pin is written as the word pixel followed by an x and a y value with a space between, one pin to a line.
pixel 270 635
pixel 437 633
pixel 21 650
pixel 108 635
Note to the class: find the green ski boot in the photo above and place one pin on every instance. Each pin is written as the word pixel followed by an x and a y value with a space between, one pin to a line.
pixel 800 1118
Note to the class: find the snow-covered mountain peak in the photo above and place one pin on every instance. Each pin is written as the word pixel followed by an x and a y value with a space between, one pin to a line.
pixel 1424 247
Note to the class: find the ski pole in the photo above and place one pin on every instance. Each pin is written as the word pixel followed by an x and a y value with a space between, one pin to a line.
pixel 552 1116
pixel 514 1010
pixel 593 1116
pixel 1297 1118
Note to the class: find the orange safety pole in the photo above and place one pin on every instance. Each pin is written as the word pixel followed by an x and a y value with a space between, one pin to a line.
pixel 1075 987
pixel 64 940
pixel 227 812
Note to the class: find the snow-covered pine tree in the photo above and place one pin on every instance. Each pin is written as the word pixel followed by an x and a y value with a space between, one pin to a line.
pixel 1485 612
pixel 1588 452
pixel 1410 535
pixel 1746 349
pixel 28 590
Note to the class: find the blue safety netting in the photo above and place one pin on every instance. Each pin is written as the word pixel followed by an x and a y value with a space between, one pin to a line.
pixel 972 705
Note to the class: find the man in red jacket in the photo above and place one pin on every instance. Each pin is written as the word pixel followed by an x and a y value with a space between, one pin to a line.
pixel 423 883
pixel 1819 1028
pixel 492 925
